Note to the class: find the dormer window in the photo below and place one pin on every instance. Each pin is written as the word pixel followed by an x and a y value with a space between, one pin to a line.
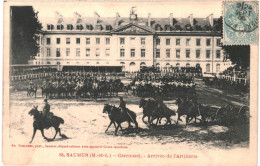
pixel 99 27
pixel 60 27
pixel 167 27
pixel 89 27
pixel 79 27
pixel 108 27
pixel 50 27
pixel 158 27
pixel 69 27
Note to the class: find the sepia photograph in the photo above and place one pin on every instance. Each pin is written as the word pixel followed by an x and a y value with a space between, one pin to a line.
pixel 131 83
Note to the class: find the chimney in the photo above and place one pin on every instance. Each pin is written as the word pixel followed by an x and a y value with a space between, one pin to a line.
pixel 171 21
pixel 96 18
pixel 210 19
pixel 117 18
pixel 149 20
pixel 58 17
pixel 191 20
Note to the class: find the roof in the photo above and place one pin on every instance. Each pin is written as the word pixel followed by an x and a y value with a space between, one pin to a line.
pixel 156 24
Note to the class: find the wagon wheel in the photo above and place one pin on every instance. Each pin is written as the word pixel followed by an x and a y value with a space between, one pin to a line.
pixel 229 107
pixel 243 114
pixel 221 116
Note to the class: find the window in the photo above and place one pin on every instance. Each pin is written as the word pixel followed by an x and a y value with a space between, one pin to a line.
pixel 79 27
pixel 50 27
pixel 122 52
pixel 157 54
pixel 122 41
pixel 157 41
pixel 178 42
pixel 57 52
pixel 87 40
pixel 89 27
pixel 168 42
pixel 67 40
pixel 207 54
pixel 69 27
pixel 67 51
pixel 59 27
pixel 142 53
pixel 142 41
pixel 77 40
pixel 187 65
pixel 48 52
pixel 87 51
pixel 187 53
pixel 97 40
pixel 48 41
pixel 168 53
pixel 218 42
pixel 107 51
pixel 157 65
pixel 178 53
pixel 57 40
pixel 132 52
pixel 107 40
pixel 177 65
pixel 187 42
pixel 197 53
pixel 218 54
pixel 77 51
pixel 217 68
pixel 208 68
pixel 142 65
pixel 197 42
pixel 208 41
pixel 97 51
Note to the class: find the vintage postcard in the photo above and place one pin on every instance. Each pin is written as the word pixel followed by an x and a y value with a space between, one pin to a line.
pixel 130 83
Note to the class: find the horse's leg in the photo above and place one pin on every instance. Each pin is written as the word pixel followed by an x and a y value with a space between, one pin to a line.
pixel 129 124
pixel 136 125
pixel 34 132
pixel 117 128
pixel 56 129
pixel 187 120
pixel 110 125
pixel 59 132
pixel 42 131
pixel 143 118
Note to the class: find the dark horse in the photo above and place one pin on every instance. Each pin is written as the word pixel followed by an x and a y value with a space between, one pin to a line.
pixel 40 124
pixel 32 90
pixel 190 109
pixel 117 115
pixel 148 108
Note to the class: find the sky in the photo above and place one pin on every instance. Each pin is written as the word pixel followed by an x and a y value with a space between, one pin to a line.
pixel 109 9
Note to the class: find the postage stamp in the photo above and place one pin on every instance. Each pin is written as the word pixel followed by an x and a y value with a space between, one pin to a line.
pixel 240 22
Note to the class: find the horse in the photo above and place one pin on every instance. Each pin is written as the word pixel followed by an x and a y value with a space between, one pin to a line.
pixel 119 116
pixel 190 109
pixel 162 111
pixel 32 89
pixel 39 123
pixel 148 108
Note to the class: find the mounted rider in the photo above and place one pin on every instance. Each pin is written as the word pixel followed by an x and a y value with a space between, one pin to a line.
pixel 46 111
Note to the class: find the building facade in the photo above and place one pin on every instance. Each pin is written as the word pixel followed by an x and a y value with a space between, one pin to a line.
pixel 131 43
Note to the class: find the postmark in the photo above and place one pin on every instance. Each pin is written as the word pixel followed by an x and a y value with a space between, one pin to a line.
pixel 240 25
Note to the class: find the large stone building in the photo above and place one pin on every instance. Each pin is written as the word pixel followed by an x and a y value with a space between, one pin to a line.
pixel 130 43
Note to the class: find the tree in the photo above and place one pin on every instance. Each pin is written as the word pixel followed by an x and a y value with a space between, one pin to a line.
pixel 239 55
pixel 25 28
